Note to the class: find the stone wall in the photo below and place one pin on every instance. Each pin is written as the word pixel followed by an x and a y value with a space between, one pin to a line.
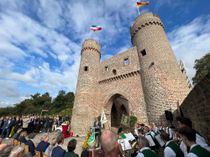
pixel 120 64
pixel 125 82
pixel 196 106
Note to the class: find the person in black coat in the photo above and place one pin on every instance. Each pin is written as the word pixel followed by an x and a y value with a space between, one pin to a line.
pixel 4 127
pixel 18 124
pixel 30 126
pixel 85 153
pixel 58 151
pixel 1 124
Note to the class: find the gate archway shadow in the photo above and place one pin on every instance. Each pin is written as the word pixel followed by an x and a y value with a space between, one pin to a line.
pixel 116 107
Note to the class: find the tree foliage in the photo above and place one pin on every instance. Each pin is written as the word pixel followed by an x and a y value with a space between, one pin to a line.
pixel 202 67
pixel 62 103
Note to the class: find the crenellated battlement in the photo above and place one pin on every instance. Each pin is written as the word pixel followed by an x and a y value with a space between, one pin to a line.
pixel 148 23
pixel 92 45
pixel 144 20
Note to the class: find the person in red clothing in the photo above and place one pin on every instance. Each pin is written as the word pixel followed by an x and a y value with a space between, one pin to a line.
pixel 65 128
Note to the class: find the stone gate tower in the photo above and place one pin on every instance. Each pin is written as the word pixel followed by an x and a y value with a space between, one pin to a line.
pixel 144 81
pixel 87 91
pixel 163 82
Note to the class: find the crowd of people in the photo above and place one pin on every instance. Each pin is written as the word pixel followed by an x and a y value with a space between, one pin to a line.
pixel 9 125
pixel 24 129
pixel 144 140
pixel 43 148
pixel 179 141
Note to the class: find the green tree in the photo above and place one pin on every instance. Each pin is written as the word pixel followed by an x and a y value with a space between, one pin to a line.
pixel 42 101
pixel 62 104
pixel 69 97
pixel 59 100
pixel 7 111
pixel 202 67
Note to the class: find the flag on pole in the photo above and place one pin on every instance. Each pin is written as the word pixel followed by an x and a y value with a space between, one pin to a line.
pixel 103 118
pixel 85 144
pixel 95 28
pixel 91 140
pixel 141 4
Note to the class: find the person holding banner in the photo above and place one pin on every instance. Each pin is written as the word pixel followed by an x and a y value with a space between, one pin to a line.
pixel 97 130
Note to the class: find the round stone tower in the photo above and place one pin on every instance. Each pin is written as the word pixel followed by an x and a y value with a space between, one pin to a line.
pixel 163 83
pixel 85 103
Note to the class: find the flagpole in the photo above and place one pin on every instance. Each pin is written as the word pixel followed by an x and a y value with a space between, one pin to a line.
pixel 138 8
pixel 138 11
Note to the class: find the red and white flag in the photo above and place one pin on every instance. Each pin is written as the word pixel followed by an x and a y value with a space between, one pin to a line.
pixel 95 28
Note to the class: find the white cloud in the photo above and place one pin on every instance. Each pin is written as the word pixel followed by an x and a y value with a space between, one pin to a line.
pixel 191 42
pixel 50 13
pixel 10 51
pixel 25 40
pixel 21 30
pixel 9 93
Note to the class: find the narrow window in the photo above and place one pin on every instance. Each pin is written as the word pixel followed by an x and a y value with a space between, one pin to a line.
pixel 143 52
pixel 106 68
pixel 182 70
pixel 86 68
pixel 126 61
pixel 152 64
pixel 114 71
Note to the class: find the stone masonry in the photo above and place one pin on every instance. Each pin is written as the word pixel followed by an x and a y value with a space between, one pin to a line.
pixel 146 75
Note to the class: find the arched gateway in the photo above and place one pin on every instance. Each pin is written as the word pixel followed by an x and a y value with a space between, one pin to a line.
pixel 115 108
pixel 145 80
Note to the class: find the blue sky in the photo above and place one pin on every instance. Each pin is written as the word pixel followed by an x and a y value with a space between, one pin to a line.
pixel 40 40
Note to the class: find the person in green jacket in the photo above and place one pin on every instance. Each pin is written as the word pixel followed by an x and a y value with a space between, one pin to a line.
pixel 188 136
pixel 145 151
pixel 171 147
pixel 71 147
